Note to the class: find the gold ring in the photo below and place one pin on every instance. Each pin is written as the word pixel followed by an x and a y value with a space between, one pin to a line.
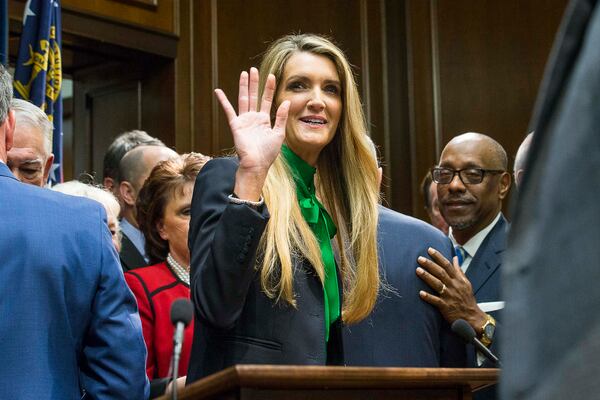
pixel 443 289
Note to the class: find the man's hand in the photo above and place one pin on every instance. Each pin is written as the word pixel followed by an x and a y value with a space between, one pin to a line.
pixel 455 299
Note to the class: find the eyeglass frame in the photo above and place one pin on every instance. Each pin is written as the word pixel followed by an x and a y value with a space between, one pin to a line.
pixel 483 172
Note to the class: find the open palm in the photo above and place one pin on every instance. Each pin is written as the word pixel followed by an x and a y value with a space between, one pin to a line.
pixel 257 143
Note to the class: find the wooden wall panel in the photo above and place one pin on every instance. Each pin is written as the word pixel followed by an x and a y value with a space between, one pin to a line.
pixel 421 135
pixel 491 59
pixel 239 31
pixel 160 15
pixel 473 66
pixel 427 69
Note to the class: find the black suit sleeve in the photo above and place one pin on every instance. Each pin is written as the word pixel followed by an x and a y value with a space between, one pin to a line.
pixel 223 240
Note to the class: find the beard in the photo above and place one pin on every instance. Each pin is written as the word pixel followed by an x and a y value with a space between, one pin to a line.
pixel 460 223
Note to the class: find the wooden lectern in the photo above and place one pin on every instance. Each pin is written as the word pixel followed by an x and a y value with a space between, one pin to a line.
pixel 273 382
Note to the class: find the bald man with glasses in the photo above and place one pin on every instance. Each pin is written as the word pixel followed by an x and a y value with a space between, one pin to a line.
pixel 472 181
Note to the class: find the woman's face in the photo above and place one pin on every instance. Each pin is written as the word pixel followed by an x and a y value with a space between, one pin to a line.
pixel 114 228
pixel 176 222
pixel 312 85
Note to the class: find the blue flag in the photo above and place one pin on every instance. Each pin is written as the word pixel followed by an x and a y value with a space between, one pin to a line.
pixel 38 73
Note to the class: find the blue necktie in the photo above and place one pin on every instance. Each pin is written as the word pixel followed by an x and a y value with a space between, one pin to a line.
pixel 460 253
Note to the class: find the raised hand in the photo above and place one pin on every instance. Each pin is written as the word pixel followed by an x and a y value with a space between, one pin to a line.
pixel 257 143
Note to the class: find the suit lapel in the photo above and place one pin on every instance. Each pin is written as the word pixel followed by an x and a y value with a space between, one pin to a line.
pixel 488 257
pixel 130 256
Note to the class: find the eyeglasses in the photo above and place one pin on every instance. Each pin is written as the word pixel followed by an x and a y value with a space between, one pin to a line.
pixel 468 176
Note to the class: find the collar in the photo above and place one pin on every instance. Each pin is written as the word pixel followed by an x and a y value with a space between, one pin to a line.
pixel 135 235
pixel 301 170
pixel 304 178
pixel 5 171
pixel 475 242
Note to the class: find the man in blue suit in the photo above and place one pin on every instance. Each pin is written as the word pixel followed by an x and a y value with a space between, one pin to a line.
pixel 402 330
pixel 69 327
pixel 472 181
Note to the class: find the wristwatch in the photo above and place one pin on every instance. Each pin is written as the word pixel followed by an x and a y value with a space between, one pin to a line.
pixel 488 329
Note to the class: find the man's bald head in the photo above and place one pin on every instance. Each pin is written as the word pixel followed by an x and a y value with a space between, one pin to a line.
pixel 137 163
pixel 519 167
pixel 134 169
pixel 476 165
pixel 488 148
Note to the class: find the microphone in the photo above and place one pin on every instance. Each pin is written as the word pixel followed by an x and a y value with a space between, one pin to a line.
pixel 181 314
pixel 467 333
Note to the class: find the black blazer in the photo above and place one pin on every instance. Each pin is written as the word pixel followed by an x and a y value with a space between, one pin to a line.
pixel 129 255
pixel 235 322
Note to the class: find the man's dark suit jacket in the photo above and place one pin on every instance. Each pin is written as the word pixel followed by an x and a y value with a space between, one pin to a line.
pixel 236 323
pixel 484 273
pixel 552 269
pixel 68 321
pixel 403 330
pixel 129 256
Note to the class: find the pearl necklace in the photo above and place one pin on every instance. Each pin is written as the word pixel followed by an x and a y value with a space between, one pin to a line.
pixel 182 272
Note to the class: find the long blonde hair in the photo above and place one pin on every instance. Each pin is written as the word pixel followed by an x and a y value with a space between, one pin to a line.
pixel 346 184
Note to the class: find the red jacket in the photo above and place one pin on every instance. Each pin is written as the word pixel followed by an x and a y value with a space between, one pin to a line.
pixel 155 288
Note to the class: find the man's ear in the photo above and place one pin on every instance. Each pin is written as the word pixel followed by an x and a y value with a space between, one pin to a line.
pixel 127 192
pixel 108 183
pixel 9 129
pixel 504 186
pixel 48 167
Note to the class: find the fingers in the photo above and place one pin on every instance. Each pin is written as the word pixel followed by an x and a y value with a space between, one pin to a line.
pixel 433 268
pixel 227 107
pixel 268 94
pixel 253 89
pixel 281 118
pixel 243 102
pixel 433 282
pixel 442 261
pixel 431 299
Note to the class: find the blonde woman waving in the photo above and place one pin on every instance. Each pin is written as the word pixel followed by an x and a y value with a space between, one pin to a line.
pixel 265 284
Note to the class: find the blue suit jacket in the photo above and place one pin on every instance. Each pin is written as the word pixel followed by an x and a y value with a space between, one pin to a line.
pixel 403 330
pixel 68 322
pixel 484 273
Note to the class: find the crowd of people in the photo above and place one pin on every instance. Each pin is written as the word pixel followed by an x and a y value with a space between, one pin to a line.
pixel 284 248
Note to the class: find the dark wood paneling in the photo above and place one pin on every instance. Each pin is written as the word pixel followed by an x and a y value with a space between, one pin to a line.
pixel 427 69
pixel 112 109
pixel 184 74
pixel 492 55
pixel 157 15
pixel 157 101
pixel 233 50
pixel 421 138
pixel 115 97
pixel 97 29
pixel 473 66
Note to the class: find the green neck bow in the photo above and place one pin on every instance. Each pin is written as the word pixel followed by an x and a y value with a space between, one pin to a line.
pixel 322 226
